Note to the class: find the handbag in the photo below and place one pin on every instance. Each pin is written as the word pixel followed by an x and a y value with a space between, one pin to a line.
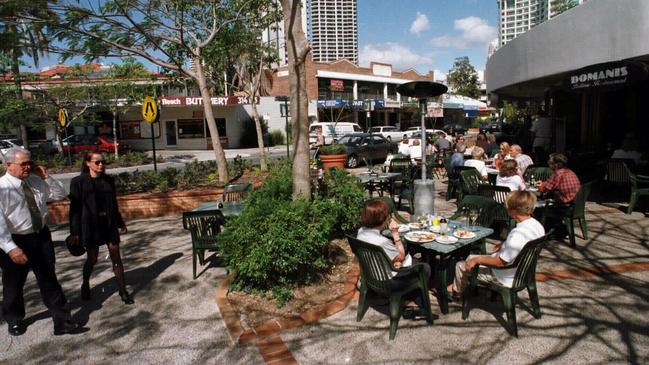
pixel 75 249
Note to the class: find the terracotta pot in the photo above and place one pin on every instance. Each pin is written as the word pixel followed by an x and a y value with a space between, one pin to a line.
pixel 330 161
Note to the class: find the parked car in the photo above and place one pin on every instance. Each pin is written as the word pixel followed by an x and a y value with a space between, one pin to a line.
pixel 6 144
pixel 494 127
pixel 412 130
pixel 87 143
pixel 454 129
pixel 366 147
pixel 432 133
pixel 332 131
pixel 390 133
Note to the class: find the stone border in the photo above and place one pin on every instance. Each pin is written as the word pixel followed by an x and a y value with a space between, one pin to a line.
pixel 239 335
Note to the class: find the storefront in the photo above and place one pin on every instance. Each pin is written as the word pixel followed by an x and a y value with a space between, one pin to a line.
pixel 593 80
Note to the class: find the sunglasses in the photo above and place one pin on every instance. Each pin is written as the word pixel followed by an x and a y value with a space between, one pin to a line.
pixel 23 164
pixel 100 162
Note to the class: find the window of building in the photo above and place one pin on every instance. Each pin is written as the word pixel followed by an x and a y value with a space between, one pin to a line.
pixel 191 128
pixel 130 129
pixel 220 126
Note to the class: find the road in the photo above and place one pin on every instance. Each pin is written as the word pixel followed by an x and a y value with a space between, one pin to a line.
pixel 178 158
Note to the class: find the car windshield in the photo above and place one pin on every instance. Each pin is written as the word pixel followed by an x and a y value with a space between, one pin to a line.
pixel 350 140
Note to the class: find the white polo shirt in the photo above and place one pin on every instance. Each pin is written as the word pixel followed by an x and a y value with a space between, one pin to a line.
pixel 525 231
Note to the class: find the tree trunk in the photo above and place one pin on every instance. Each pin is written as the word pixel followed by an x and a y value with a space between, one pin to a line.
pixel 263 159
pixel 221 162
pixel 298 50
pixel 115 133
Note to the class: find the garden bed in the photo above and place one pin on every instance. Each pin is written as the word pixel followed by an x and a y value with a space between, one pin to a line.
pixel 254 310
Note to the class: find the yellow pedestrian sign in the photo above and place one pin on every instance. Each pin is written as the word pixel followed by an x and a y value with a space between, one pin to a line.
pixel 63 117
pixel 149 109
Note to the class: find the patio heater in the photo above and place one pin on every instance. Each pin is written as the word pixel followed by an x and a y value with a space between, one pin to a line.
pixel 424 194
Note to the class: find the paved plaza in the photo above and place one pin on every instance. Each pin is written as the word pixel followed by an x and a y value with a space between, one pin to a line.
pixel 588 316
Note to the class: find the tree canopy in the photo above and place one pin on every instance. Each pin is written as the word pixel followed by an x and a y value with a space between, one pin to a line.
pixel 463 78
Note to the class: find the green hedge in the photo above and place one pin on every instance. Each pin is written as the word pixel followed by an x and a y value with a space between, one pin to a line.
pixel 278 242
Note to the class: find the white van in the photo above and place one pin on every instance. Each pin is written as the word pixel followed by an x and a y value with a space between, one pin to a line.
pixel 331 131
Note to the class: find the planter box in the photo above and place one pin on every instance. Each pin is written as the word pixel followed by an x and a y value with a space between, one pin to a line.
pixel 146 205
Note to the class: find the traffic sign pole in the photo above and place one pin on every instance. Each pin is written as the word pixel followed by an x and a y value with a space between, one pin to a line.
pixel 150 114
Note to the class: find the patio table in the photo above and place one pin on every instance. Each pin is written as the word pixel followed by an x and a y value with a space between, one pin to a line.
pixel 370 180
pixel 438 255
pixel 228 209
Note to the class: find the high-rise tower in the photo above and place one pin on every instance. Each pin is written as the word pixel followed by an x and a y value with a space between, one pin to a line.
pixel 332 29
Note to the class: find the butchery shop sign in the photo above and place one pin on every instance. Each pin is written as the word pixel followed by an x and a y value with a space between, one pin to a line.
pixel 179 101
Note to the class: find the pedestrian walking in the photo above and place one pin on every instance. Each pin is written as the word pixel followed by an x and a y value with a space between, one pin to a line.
pixel 95 220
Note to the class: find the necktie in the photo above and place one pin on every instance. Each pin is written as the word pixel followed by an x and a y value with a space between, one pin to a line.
pixel 37 220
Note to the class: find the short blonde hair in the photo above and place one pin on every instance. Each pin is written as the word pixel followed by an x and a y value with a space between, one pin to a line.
pixel 521 201
pixel 477 153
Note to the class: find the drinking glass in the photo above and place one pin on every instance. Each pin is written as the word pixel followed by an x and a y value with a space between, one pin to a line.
pixel 443 228
pixel 474 214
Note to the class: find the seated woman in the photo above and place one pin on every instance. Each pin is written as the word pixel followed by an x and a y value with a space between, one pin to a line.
pixel 476 161
pixel 508 177
pixel 492 146
pixel 374 218
pixel 502 155
pixel 470 145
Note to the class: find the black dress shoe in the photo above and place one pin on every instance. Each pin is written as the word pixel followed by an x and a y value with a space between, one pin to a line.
pixel 126 297
pixel 67 327
pixel 85 291
pixel 16 329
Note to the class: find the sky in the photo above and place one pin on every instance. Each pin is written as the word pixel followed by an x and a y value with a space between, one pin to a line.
pixel 421 34
pixel 426 34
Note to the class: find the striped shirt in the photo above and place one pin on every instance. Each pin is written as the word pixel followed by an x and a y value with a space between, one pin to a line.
pixel 564 183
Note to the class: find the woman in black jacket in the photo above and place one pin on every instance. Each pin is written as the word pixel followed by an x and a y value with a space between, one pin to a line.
pixel 95 220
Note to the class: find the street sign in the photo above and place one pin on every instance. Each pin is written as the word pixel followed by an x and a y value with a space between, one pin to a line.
pixel 63 117
pixel 149 109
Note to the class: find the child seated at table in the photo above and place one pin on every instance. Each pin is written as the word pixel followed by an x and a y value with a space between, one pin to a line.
pixel 520 206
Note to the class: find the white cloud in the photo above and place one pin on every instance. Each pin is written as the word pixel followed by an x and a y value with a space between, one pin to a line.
pixel 439 75
pixel 475 32
pixel 395 54
pixel 420 24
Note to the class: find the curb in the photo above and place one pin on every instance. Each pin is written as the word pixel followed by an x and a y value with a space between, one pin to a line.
pixel 267 333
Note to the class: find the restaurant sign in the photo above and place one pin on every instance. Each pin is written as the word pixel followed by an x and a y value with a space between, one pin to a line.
pixel 180 101
pixel 340 103
pixel 336 85
pixel 606 76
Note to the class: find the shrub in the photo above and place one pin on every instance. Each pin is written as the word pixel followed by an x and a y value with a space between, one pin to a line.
pixel 277 137
pixel 278 242
pixel 333 149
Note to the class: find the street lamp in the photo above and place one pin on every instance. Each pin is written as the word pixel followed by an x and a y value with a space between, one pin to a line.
pixel 285 99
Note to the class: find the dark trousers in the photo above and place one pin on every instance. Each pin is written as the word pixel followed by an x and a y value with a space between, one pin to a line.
pixel 40 255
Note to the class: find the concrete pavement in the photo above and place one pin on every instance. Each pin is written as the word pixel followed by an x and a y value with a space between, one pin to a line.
pixel 587 318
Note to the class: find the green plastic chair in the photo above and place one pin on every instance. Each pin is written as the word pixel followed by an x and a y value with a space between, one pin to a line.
pixel 204 226
pixel 392 209
pixel 375 278
pixel 486 206
pixel 617 171
pixel 401 185
pixel 499 195
pixel 576 210
pixel 525 278
pixel 541 173
pixel 469 181
pixel 453 175
pixel 639 187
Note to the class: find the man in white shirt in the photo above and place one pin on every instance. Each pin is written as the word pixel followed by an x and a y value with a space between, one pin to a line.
pixel 26 243
pixel 523 160
pixel 404 146
pixel 520 206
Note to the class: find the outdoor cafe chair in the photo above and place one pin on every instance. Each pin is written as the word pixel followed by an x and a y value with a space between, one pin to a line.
pixel 639 187
pixel 540 173
pixel 617 172
pixel 204 226
pixel 403 166
pixel 469 181
pixel 524 278
pixel 453 174
pixel 235 192
pixel 375 279
pixel 499 195
pixel 576 210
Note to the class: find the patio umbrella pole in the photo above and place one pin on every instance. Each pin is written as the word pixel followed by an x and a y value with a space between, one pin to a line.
pixel 422 106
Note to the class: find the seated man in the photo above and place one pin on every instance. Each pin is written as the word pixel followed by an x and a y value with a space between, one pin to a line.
pixel 457 158
pixel 563 183
pixel 404 146
pixel 442 143
pixel 523 160
pixel 415 151
pixel 476 161
pixel 520 205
